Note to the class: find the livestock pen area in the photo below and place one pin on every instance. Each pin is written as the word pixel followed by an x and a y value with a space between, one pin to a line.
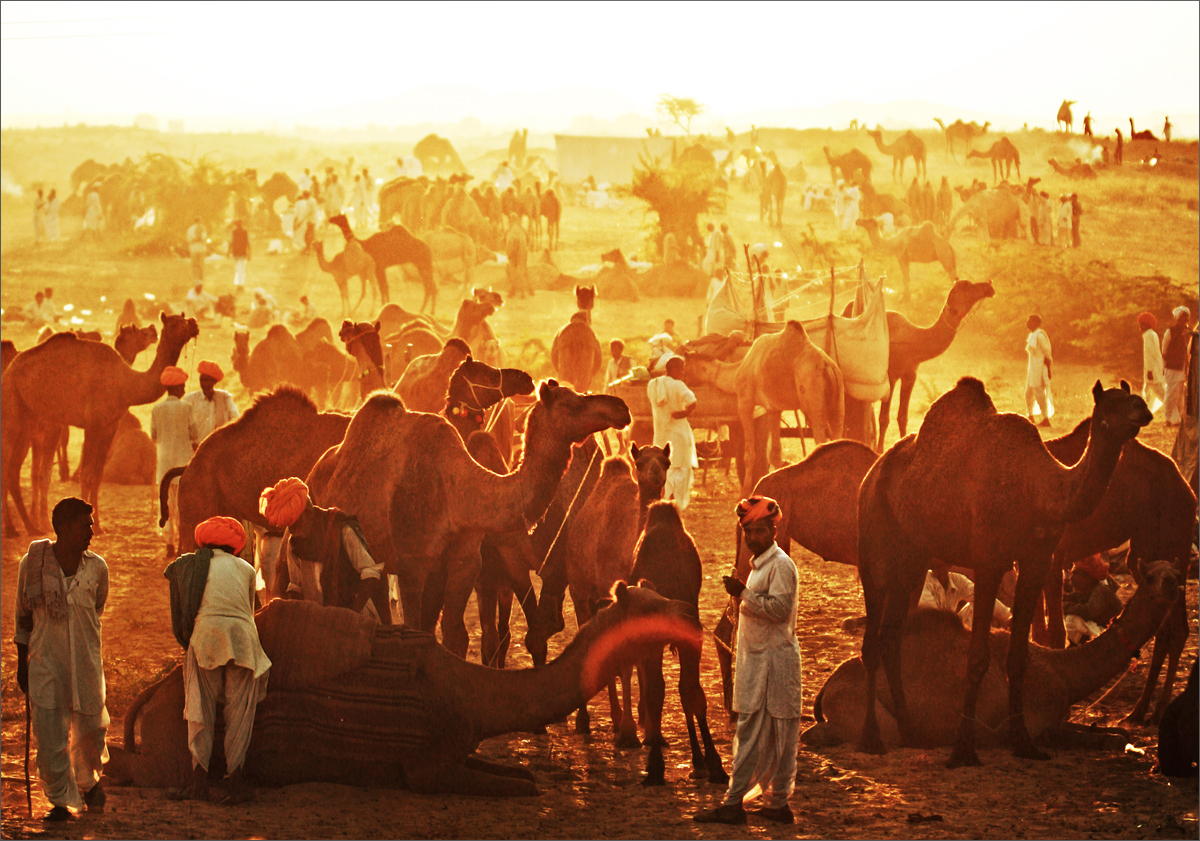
pixel 588 787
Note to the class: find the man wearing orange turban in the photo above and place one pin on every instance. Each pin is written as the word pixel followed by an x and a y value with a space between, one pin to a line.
pixel 766 686
pixel 1154 378
pixel 211 406
pixel 225 661
pixel 173 431
pixel 349 576
pixel 1091 602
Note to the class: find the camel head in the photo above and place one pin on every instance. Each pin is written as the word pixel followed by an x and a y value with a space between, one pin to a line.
pixel 133 340
pixel 964 295
pixel 576 416
pixel 366 335
pixel 177 331
pixel 585 297
pixel 651 465
pixel 479 386
pixel 1161 580
pixel 1118 413
pixel 489 297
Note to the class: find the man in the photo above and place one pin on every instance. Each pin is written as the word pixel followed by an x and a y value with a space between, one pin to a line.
pixel 93 214
pixel 1087 125
pixel 728 248
pixel 239 250
pixel 671 401
pixel 766 685
pixel 1183 452
pixel 945 202
pixel 335 196
pixel 1091 602
pixel 1076 212
pixel 1167 129
pixel 618 364
pixel 198 302
pixel 1119 154
pixel 1038 371
pixel 173 431
pixel 714 246
pixel 954 592
pixel 302 218
pixel 331 542
pixel 212 616
pixel 1174 356
pixel 516 248
pixel 1153 375
pixel 211 407
pixel 61 591
pixel 197 242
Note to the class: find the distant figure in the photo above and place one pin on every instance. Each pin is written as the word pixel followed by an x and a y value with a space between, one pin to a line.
pixel 955 593
pixel 93 214
pixel 728 248
pixel 305 181
pixel 1167 129
pixel 197 302
pixel 670 249
pixel 239 250
pixel 53 316
pixel 1087 125
pixel 1119 154
pixel 945 202
pixel 618 364
pixel 52 207
pixel 1038 371
pixel 1076 212
pixel 263 310
pixel 335 196
pixel 713 246
pixel 1153 378
pixel 173 431
pixel 197 243
pixel 851 197
pixel 1174 355
pixel 503 177
pixel 928 202
pixel 39 217
pixel 303 214
pixel 516 248
pixel 1063 220
pixel 1091 602
pixel 671 401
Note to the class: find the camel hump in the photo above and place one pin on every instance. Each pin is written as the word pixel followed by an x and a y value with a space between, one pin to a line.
pixel 284 399
pixel 797 328
pixel 309 643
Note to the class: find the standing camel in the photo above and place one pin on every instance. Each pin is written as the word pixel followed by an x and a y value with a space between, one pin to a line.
pixel 576 355
pixel 907 145
pixel 1065 121
pixel 352 261
pixel 772 190
pixel 960 132
pixel 854 166
pixel 914 244
pixel 68 381
pixel 1003 155
pixel 978 487
pixel 363 343
pixel 395 247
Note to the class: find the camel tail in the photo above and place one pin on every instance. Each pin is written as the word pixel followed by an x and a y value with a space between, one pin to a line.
pixel 135 709
pixel 164 487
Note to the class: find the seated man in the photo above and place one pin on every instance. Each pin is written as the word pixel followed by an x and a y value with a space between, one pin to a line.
pixel 953 591
pixel 1092 601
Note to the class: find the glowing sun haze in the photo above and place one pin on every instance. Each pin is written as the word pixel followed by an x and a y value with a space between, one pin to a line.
pixel 255 65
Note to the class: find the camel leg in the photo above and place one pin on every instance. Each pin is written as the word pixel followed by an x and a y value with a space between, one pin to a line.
pixel 724 636
pixel 459 585
pixel 885 410
pixel 906 389
pixel 978 658
pixel 583 720
pixel 504 603
pixel 626 727
pixel 1138 714
pixel 97 441
pixel 1052 594
pixel 16 444
pixel 64 467
pixel 40 473
pixel 653 693
pixel 486 595
pixel 462 778
pixel 903 592
pixel 1031 577
pixel 774 439
pixel 695 708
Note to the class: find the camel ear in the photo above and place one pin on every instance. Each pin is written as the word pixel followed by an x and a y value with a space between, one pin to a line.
pixel 634 450
pixel 546 391
pixel 620 592
pixel 377 323
pixel 667 450
pixel 1098 391
pixel 1124 386
pixel 163 316
pixel 647 584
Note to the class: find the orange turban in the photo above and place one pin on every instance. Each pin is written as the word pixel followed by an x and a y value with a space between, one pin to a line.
pixel 211 369
pixel 1093 565
pixel 758 508
pixel 221 531
pixel 283 504
pixel 1147 321
pixel 172 375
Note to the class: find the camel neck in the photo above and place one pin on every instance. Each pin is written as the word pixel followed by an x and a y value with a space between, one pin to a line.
pixel 143 386
pixel 1086 482
pixel 543 464
pixel 939 335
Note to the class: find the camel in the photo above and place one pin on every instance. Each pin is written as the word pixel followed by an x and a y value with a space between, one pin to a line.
pixel 275 360
pixel 430 708
pixel 472 327
pixel 1076 170
pixel 666 559
pixel 325 367
pixel 915 244
pixel 910 345
pixel 396 246
pixel 907 145
pixel 423 384
pixel 551 209
pixel 401 348
pixel 997 211
pixel 782 371
pixel 1003 155
pixel 363 343
pixel 1178 755
pixel 771 194
pixel 934 648
pixel 69 381
pixel 454 253
pixel 875 203
pixel 979 487
pixel 958 131
pixel 353 260
pixel 424 503
pixel 576 354
pixel 1065 121
pixel 853 165
pixel 1134 134
pixel 132 458
pixel 437 154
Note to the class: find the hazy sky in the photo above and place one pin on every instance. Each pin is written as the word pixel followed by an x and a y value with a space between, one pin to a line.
pixel 350 64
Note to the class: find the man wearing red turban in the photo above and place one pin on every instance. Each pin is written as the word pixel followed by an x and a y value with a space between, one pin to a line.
pixel 174 434
pixel 212 597
pixel 211 406
pixel 766 686
pixel 1154 378
pixel 349 576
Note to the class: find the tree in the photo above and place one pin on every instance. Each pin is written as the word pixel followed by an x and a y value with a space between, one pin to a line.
pixel 680 110
pixel 678 194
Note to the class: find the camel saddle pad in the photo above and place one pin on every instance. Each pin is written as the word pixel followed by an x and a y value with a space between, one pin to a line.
pixel 310 643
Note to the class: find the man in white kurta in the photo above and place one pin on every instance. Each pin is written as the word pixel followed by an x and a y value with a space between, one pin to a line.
pixel 1153 377
pixel 60 594
pixel 766 685
pixel 211 406
pixel 173 431
pixel 671 401
pixel 1174 354
pixel 1038 371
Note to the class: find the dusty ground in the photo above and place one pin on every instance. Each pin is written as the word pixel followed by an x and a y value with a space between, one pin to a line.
pixel 589 789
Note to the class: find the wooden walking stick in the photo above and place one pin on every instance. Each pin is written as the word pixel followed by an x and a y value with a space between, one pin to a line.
pixel 28 793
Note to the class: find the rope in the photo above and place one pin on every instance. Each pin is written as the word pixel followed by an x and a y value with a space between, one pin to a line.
pixel 567 513
pixel 496 409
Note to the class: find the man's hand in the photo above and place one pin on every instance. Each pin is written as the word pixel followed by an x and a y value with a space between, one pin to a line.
pixel 734 586
pixel 23 669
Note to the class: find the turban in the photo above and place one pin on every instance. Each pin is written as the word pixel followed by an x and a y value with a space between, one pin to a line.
pixel 1093 565
pixel 283 504
pixel 1181 311
pixel 221 531
pixel 1147 321
pixel 758 508
pixel 172 375
pixel 211 369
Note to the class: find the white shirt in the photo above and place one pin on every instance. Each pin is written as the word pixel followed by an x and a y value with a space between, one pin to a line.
pixel 173 430
pixel 207 414
pixel 768 653
pixel 1037 348
pixel 1152 361
pixel 66 666
pixel 958 589
pixel 225 632
pixel 198 302
pixel 668 395
pixel 196 236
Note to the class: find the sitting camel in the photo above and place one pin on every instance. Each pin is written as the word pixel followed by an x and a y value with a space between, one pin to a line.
pixel 423 384
pixel 666 559
pixel 132 458
pixel 934 650
pixel 576 354
pixel 276 360
pixel 981 488
pixel 1076 170
pixel 782 371
pixel 396 246
pixel 353 261
pixel 1178 754
pixel 916 244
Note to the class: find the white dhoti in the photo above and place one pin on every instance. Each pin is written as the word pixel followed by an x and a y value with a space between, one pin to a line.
pixel 764 751
pixel 239 271
pixel 668 395
pixel 239 690
pixel 1038 399
pixel 1175 382
pixel 170 531
pixel 71 752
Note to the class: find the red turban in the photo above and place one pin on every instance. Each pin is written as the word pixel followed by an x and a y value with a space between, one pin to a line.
pixel 1093 565
pixel 1147 321
pixel 172 375
pixel 221 531
pixel 758 508
pixel 211 369
pixel 283 504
